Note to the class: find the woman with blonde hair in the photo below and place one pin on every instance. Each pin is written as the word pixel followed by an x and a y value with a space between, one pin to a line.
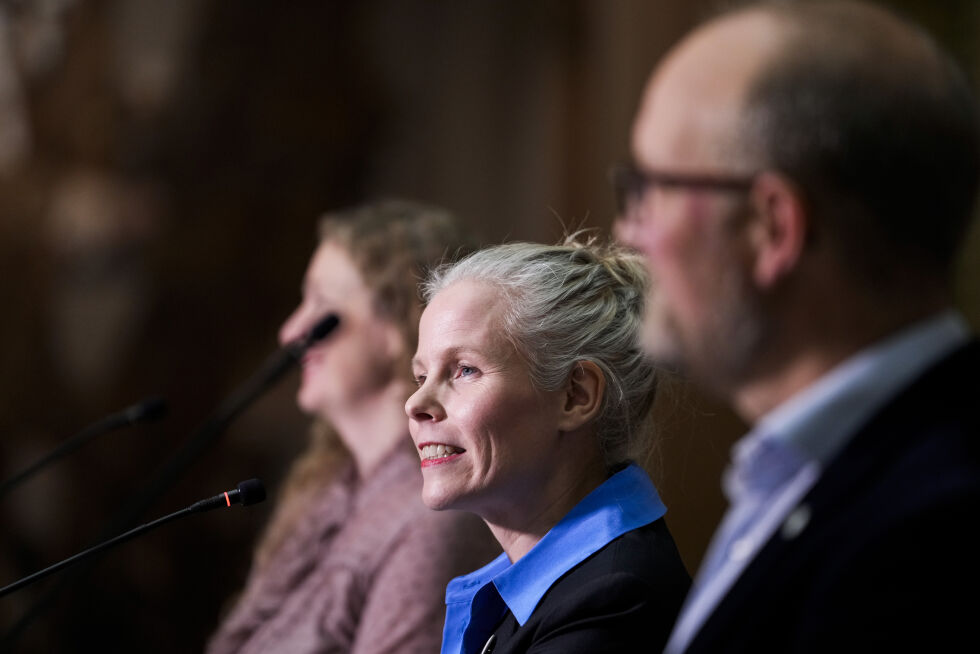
pixel 352 561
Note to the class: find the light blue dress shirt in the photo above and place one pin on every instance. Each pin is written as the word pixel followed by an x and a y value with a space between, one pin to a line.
pixel 779 461
pixel 475 603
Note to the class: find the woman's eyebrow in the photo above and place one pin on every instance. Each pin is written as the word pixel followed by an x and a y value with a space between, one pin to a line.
pixel 449 353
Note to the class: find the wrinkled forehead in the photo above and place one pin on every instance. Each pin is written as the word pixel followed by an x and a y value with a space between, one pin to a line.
pixel 692 108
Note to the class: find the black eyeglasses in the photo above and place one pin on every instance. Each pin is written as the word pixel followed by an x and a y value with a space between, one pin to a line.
pixel 630 183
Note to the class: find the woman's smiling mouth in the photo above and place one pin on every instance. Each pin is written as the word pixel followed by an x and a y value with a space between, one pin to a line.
pixel 436 453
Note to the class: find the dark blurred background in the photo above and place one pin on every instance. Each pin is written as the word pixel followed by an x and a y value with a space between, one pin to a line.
pixel 162 167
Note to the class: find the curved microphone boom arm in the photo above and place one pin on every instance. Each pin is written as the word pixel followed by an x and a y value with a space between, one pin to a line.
pixel 149 410
pixel 171 471
pixel 247 493
pixel 215 424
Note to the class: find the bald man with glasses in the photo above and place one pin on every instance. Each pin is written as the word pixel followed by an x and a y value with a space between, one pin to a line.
pixel 803 174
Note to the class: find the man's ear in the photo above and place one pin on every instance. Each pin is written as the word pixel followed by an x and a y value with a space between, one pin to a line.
pixel 778 232
pixel 582 397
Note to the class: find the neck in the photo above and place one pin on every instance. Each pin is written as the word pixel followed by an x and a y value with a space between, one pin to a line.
pixel 372 427
pixel 518 531
pixel 826 338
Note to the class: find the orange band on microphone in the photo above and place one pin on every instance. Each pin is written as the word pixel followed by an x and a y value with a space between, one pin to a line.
pixel 227 499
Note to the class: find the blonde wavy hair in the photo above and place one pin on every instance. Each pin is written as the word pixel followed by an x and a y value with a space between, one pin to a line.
pixel 393 244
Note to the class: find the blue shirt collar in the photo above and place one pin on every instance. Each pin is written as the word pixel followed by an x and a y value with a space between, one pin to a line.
pixel 625 501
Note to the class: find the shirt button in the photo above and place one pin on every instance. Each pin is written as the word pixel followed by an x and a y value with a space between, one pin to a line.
pixel 796 522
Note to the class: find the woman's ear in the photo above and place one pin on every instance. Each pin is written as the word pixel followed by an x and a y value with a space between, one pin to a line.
pixel 582 397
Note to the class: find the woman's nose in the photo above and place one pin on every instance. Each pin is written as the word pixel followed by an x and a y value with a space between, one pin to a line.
pixel 294 327
pixel 421 406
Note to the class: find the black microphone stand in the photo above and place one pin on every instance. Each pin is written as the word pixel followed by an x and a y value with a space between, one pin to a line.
pixel 273 368
pixel 270 372
pixel 148 410
pixel 248 492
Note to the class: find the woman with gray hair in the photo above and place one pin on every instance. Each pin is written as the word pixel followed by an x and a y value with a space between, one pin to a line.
pixel 532 396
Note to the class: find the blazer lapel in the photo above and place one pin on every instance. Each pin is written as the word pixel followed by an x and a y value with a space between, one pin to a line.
pixel 947 390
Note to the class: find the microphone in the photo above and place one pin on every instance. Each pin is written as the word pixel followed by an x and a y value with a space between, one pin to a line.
pixel 322 327
pixel 149 410
pixel 277 365
pixel 292 352
pixel 247 493
pixel 274 368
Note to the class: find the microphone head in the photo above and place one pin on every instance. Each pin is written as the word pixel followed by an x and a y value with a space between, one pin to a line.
pixel 149 410
pixel 323 327
pixel 152 409
pixel 251 491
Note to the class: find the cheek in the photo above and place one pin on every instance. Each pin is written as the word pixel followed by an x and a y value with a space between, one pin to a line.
pixel 316 372
pixel 493 419
pixel 673 263
pixel 683 247
pixel 666 233
pixel 363 352
pixel 474 417
pixel 521 424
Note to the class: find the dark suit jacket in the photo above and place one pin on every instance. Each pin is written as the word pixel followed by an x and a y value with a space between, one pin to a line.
pixel 628 592
pixel 888 557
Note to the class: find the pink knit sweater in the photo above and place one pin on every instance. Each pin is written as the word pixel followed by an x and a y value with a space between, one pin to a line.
pixel 365 574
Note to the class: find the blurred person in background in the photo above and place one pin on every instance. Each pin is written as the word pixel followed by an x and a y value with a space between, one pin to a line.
pixel 352 561
pixel 533 399
pixel 804 176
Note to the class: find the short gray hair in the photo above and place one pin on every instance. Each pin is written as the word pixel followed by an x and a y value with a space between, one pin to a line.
pixel 577 301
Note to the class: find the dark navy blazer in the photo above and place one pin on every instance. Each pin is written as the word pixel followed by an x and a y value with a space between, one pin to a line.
pixel 888 557
pixel 623 598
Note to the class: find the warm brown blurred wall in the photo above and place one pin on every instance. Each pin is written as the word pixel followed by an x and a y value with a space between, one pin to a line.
pixel 162 165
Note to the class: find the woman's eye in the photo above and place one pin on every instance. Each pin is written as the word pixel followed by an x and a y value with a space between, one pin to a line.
pixel 466 371
pixel 419 380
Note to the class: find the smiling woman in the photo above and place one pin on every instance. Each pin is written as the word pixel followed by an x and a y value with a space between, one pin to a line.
pixel 532 395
